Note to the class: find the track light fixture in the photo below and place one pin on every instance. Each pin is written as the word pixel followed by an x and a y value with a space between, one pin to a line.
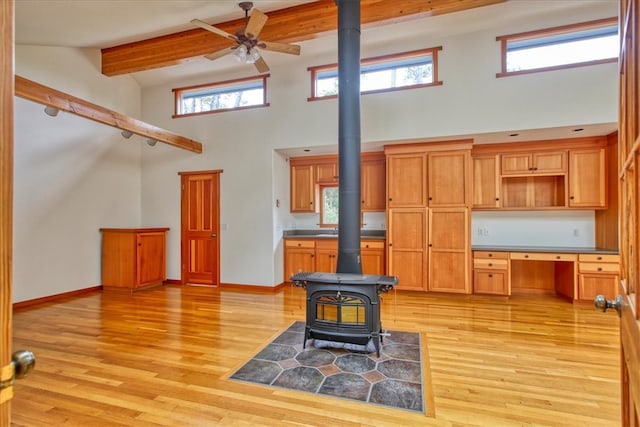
pixel 126 134
pixel 151 142
pixel 51 111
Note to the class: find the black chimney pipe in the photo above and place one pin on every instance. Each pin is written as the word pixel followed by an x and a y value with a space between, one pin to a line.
pixel 349 136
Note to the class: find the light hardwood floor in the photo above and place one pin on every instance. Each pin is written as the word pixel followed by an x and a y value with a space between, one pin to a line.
pixel 161 358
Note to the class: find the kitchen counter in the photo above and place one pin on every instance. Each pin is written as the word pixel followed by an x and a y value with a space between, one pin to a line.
pixel 330 234
pixel 544 249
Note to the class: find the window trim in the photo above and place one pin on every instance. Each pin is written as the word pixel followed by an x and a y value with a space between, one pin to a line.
pixel 599 23
pixel 178 92
pixel 433 51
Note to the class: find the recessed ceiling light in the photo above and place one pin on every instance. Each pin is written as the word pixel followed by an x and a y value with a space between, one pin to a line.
pixel 514 134
pixel 578 130
pixel 306 150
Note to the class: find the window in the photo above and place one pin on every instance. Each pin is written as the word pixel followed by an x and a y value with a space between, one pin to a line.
pixel 556 48
pixel 222 96
pixel 328 205
pixel 407 70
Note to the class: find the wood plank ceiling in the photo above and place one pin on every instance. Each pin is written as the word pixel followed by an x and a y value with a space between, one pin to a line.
pixel 290 25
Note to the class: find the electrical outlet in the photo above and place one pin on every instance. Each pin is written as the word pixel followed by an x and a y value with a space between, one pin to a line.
pixel 576 232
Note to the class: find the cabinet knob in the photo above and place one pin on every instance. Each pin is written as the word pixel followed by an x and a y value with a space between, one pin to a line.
pixel 390 199
pixel 497 199
pixel 490 265
pixel 599 268
pixel 139 244
pixel 430 198
pixel 599 258
pixel 571 197
pixel 390 245
pixel 490 276
pixel 490 255
pixel 526 256
pixel 558 257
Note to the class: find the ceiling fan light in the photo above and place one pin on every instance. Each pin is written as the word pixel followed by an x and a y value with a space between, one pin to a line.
pixel 253 56
pixel 241 54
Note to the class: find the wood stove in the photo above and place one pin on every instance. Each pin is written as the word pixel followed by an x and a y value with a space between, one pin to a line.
pixel 344 307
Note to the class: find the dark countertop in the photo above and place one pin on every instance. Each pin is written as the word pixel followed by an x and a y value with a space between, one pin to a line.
pixel 330 234
pixel 543 249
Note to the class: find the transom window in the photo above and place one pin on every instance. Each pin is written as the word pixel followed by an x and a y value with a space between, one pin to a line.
pixel 406 70
pixel 588 43
pixel 222 96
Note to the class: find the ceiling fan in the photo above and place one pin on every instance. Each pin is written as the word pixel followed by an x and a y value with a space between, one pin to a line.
pixel 246 50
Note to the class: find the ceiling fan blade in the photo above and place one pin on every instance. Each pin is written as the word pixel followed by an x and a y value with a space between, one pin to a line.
pixel 292 49
pixel 255 24
pixel 219 53
pixel 205 26
pixel 261 66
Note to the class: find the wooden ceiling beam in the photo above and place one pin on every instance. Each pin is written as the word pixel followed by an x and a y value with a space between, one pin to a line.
pixel 290 25
pixel 45 95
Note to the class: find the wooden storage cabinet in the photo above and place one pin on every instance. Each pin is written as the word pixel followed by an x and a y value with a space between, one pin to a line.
pixel 373 182
pixel 302 188
pixel 542 162
pixel 372 257
pixel 598 275
pixel 587 178
pixel 448 178
pixel 449 256
pixel 299 256
pixel 133 258
pixel 407 180
pixel 326 256
pixel 486 181
pixel 491 274
pixel 407 247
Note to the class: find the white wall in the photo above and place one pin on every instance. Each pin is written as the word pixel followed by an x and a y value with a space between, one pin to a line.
pixel 472 100
pixel 71 175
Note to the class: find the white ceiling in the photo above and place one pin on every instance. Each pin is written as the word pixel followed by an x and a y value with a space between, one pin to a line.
pixel 107 23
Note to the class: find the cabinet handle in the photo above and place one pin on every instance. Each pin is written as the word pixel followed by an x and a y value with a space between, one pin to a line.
pixel 366 246
pixel 390 199
pixel 571 197
pixel 430 198
pixel 497 199
pixel 599 268
pixel 139 244
pixel 526 256
pixel 490 276
pixel 430 245
pixel 599 258
pixel 558 257
pixel 363 202
pixel 390 245
pixel 490 265
pixel 490 255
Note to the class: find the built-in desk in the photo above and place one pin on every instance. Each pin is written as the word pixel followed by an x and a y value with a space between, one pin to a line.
pixel 575 273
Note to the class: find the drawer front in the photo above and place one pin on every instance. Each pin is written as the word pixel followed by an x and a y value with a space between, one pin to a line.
pixel 299 243
pixel 594 267
pixel 493 255
pixel 599 258
pixel 331 244
pixel 538 256
pixel 490 282
pixel 372 244
pixel 490 264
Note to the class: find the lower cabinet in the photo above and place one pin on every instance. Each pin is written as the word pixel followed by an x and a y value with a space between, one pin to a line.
pixel 321 255
pixel 133 258
pixel 598 275
pixel 491 273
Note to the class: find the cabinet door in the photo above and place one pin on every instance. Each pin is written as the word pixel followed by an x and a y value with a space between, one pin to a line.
pixel 372 256
pixel 407 255
pixel 327 172
pixel 549 162
pixel 493 282
pixel 373 185
pixel 587 178
pixel 326 256
pixel 302 188
pixel 516 164
pixel 449 250
pixel 486 182
pixel 150 258
pixel 448 178
pixel 297 261
pixel 407 180
pixel 591 285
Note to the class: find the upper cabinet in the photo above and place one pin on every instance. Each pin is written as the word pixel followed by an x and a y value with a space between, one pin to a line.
pixel 407 180
pixel 527 176
pixel 448 180
pixel 309 174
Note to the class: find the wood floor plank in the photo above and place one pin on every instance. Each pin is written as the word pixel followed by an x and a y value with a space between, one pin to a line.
pixel 162 357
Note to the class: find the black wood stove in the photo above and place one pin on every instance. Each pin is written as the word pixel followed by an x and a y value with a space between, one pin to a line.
pixel 344 307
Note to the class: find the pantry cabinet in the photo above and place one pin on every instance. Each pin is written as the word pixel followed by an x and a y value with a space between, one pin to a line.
pixel 406 180
pixel 449 255
pixel 407 247
pixel 133 258
pixel 448 178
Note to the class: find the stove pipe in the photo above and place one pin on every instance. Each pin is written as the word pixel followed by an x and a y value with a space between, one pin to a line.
pixel 349 136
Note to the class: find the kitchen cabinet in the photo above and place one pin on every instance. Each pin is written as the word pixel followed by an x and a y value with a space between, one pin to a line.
pixel 326 256
pixel 302 188
pixel 449 250
pixel 407 247
pixel 587 178
pixel 491 273
pixel 327 172
pixel 372 257
pixel 133 258
pixel 373 182
pixel 537 162
pixel 299 256
pixel 448 178
pixel 486 181
pixel 407 180
pixel 598 275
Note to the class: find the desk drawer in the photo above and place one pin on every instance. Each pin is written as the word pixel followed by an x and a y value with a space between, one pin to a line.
pixel 300 243
pixel 538 256
pixel 599 258
pixel 493 255
pixel 594 267
pixel 490 264
pixel 372 244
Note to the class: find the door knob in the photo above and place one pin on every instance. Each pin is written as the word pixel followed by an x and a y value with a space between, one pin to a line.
pixel 23 362
pixel 214 235
pixel 603 304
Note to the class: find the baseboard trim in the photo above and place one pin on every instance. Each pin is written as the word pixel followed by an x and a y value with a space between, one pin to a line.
pixel 252 288
pixel 54 298
pixel 173 282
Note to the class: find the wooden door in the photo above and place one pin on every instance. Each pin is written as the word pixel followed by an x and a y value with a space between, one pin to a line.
pixel 200 227
pixel 302 188
pixel 587 178
pixel 629 162
pixel 407 180
pixel 6 195
pixel 151 257
pixel 486 181
pixel 406 249
pixel 448 178
pixel 449 250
